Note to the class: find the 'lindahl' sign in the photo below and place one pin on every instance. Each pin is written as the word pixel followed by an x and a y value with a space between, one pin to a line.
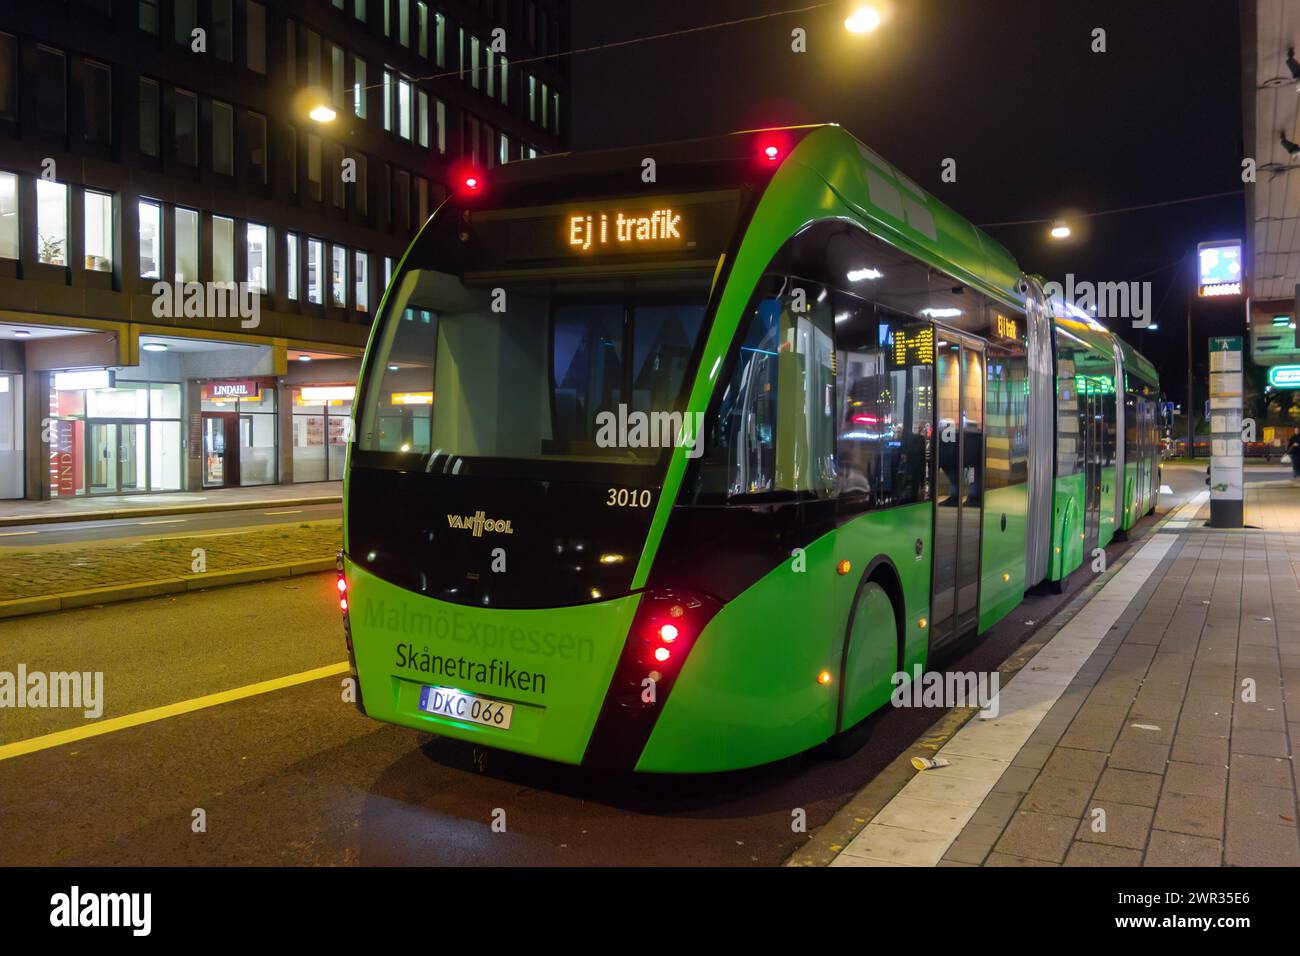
pixel 240 388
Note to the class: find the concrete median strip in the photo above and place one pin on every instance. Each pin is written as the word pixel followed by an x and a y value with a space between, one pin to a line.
pixel 130 591
pixel 59 738
pixel 188 508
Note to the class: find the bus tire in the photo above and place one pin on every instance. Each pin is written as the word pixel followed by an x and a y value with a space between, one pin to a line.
pixel 846 743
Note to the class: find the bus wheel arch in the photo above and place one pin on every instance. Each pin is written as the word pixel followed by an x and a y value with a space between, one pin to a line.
pixel 879 578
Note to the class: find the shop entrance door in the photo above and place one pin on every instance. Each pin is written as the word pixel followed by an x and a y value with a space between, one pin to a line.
pixel 220 449
pixel 116 456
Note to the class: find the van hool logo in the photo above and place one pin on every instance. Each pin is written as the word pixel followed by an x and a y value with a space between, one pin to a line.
pixel 478 524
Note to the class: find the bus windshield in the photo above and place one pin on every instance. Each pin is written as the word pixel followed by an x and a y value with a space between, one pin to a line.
pixel 479 362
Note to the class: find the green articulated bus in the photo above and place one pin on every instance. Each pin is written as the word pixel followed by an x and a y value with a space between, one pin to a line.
pixel 669 459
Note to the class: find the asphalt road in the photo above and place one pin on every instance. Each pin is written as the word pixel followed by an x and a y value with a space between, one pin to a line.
pixel 296 776
pixel 198 522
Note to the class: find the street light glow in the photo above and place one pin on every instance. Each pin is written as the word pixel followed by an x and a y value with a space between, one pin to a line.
pixel 1060 231
pixel 322 113
pixel 862 20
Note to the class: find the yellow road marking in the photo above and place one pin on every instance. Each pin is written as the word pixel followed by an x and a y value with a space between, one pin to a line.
pixel 59 738
pixel 296 511
pixel 163 521
pixel 10 534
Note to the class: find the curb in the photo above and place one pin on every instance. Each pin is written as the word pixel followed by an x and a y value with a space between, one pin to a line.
pixel 826 843
pixel 90 597
pixel 65 518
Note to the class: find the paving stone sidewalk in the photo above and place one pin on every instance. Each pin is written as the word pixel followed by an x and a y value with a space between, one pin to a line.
pixel 58 569
pixel 1174 744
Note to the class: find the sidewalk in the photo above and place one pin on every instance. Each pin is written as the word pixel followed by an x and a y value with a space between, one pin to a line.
pixel 1152 729
pixel 88 508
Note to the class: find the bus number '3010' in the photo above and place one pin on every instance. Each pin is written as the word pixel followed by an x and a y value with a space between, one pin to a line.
pixel 629 498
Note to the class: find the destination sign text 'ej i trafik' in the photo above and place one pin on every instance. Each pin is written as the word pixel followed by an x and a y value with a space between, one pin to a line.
pixel 604 230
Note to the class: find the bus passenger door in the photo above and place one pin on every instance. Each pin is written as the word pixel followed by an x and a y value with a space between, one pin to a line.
pixel 1092 403
pixel 959 486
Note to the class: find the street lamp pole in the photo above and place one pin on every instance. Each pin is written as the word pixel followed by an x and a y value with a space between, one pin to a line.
pixel 1191 437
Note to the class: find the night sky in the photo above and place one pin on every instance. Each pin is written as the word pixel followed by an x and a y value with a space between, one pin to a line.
pixel 1039 124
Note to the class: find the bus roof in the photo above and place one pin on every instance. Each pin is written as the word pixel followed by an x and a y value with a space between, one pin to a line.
pixel 888 203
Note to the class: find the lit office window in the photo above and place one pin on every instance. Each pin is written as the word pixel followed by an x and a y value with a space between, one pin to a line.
pixel 505 80
pixel 532 98
pixel 338 277
pixel 223 139
pixel 51 222
pixel 291 265
pixel 424 119
pixel 388 101
pixel 223 249
pixel 504 156
pixel 404 22
pixel 257 256
pixel 359 10
pixel 473 61
pixel 422 16
pixel 442 126
pixel 360 267
pixel 315 271
pixel 8 216
pixel 187 244
pixel 150 214
pixel 99 231
pixel 440 38
pixel 359 87
pixel 491 73
pixel 404 107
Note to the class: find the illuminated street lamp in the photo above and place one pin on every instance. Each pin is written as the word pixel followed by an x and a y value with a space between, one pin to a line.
pixel 323 113
pixel 1060 230
pixel 862 20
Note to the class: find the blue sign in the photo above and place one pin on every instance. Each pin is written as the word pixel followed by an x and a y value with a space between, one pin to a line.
pixel 1218 268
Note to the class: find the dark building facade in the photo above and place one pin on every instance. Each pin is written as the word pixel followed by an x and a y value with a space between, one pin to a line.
pixel 155 152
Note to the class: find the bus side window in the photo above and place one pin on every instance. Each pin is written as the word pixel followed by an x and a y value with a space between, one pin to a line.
pixel 884 378
pixel 773 432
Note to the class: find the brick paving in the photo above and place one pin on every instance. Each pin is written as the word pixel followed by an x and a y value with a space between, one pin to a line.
pixel 58 569
pixel 1174 744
